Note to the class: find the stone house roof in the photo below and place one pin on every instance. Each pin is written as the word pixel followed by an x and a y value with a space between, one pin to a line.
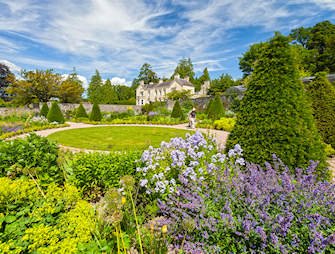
pixel 182 82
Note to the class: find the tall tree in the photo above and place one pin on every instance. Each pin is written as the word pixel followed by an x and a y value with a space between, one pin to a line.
pixel 200 81
pixel 275 116
pixel 35 86
pixel 6 79
pixel 109 92
pixel 249 58
pixel 184 69
pixel 71 89
pixel 219 85
pixel 94 90
pixel 322 94
pixel 301 35
pixel 146 74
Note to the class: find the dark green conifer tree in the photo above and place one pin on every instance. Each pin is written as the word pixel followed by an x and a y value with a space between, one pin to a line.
pixel 95 113
pixel 177 112
pixel 216 110
pixel 322 94
pixel 275 116
pixel 81 112
pixel 55 114
pixel 44 110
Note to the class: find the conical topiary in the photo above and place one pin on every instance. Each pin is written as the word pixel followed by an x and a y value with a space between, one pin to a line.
pixel 81 112
pixel 322 94
pixel 55 114
pixel 95 113
pixel 275 116
pixel 209 105
pixel 177 112
pixel 216 110
pixel 44 110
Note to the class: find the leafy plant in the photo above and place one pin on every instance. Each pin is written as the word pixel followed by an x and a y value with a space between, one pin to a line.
pixel 55 114
pixel 226 124
pixel 94 173
pixel 35 157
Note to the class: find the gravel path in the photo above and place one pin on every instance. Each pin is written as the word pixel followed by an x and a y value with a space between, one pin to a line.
pixel 221 136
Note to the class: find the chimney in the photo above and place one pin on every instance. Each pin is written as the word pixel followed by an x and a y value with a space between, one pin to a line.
pixel 176 76
pixel 160 81
pixel 141 82
pixel 187 78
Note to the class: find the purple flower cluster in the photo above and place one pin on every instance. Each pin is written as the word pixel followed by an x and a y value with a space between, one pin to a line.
pixel 194 158
pixel 252 209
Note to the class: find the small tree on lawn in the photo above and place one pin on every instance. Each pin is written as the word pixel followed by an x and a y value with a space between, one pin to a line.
pixel 81 112
pixel 322 94
pixel 275 116
pixel 216 110
pixel 95 113
pixel 44 110
pixel 55 114
pixel 177 112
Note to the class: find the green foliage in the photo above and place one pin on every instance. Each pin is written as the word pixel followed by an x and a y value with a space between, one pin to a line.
pixel 44 110
pixel 55 114
pixel 275 116
pixel 95 113
pixel 216 110
pixel 322 94
pixel 179 95
pixel 146 74
pixel 34 157
pixel 6 79
pixel 81 112
pixel 94 90
pixel 71 89
pixel 184 69
pixel 221 84
pixel 122 115
pixel 55 223
pixel 94 173
pixel 226 124
pixel 329 150
pixel 209 105
pixel 177 112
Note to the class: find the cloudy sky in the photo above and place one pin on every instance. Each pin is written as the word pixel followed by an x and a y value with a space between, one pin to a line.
pixel 118 36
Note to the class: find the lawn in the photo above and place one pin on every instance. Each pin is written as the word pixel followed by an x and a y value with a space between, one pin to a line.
pixel 116 138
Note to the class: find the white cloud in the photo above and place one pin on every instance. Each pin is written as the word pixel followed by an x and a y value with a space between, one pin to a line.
pixel 12 67
pixel 80 77
pixel 117 37
pixel 118 81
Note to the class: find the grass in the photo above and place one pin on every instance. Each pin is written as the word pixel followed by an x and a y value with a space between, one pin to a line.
pixel 116 138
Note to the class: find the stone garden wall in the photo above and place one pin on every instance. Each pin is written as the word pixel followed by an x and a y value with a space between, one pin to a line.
pixel 69 107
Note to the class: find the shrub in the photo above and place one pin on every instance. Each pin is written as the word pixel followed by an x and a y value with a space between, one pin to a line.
pixel 33 157
pixel 55 114
pixel 329 150
pixel 44 110
pixel 216 110
pixel 94 173
pixel 256 210
pixel 209 105
pixel 122 115
pixel 95 113
pixel 322 94
pixel 56 223
pixel 226 124
pixel 81 112
pixel 275 116
pixel 177 112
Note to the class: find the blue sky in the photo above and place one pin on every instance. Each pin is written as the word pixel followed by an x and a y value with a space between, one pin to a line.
pixel 118 36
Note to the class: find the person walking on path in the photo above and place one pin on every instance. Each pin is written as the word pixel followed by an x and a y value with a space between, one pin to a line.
pixel 191 118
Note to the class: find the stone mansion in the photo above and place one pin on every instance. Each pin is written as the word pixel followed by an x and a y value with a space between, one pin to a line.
pixel 146 93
